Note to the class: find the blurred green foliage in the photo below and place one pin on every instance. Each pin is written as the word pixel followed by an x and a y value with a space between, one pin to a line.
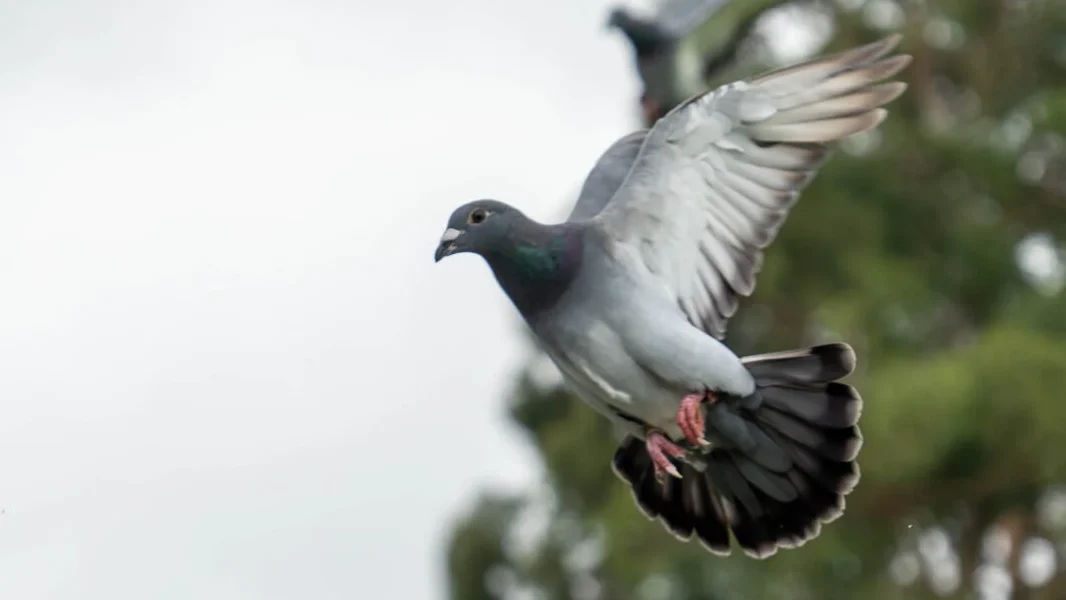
pixel 933 246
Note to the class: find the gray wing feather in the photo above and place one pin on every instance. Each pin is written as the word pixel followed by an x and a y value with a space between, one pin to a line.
pixel 607 176
pixel 715 178
pixel 679 17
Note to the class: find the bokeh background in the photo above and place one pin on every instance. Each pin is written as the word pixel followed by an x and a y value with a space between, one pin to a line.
pixel 229 368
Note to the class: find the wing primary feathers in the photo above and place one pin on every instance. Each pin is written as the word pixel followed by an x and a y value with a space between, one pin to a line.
pixel 734 161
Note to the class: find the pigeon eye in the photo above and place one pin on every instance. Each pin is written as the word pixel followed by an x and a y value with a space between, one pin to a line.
pixel 477 216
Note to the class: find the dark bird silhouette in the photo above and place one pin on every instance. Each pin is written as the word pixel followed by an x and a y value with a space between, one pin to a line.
pixel 684 45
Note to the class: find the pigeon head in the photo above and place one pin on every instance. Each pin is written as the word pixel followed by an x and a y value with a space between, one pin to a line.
pixel 534 263
pixel 646 37
pixel 481 227
pixel 618 17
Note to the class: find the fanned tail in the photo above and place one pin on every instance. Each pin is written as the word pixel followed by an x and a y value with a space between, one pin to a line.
pixel 788 462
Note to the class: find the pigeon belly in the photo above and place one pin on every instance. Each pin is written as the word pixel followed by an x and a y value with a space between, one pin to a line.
pixel 625 347
pixel 598 369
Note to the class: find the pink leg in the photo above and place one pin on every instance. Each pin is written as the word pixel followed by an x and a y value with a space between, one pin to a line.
pixel 658 448
pixel 690 417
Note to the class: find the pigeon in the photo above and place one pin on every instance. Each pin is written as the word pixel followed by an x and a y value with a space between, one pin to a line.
pixel 686 43
pixel 631 294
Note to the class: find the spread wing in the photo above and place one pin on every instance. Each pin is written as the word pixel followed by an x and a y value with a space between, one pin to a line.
pixel 679 17
pixel 715 178
pixel 717 41
pixel 607 176
pixel 725 22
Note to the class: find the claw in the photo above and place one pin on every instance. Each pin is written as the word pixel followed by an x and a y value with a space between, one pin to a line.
pixel 690 418
pixel 658 449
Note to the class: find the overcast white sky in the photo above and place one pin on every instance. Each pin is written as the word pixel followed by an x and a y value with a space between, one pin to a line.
pixel 229 367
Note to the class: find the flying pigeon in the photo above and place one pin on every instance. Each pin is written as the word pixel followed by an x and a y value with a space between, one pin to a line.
pixel 630 296
pixel 684 44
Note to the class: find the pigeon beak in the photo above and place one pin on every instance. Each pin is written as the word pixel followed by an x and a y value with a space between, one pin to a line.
pixel 447 243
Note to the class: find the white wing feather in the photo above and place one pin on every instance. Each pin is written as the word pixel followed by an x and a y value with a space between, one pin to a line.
pixel 716 177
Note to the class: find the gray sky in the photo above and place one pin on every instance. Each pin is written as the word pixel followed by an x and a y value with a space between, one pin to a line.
pixel 230 368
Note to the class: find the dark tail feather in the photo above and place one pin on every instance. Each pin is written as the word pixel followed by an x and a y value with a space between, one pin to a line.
pixel 788 477
pixel 686 505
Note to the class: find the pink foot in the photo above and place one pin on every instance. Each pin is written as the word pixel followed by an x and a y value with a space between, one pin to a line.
pixel 690 418
pixel 658 448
